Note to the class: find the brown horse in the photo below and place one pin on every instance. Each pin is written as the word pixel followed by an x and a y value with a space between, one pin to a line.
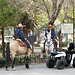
pixel 13 47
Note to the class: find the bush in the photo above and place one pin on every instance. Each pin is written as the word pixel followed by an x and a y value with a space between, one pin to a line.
pixel 16 60
pixel 37 45
pixel 0 47
pixel 64 44
pixel 19 60
pixel 44 55
pixel 2 62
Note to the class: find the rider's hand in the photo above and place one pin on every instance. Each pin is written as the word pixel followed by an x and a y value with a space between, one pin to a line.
pixel 51 37
pixel 30 47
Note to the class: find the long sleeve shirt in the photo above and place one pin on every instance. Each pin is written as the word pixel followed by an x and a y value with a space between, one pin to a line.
pixel 19 34
pixel 52 33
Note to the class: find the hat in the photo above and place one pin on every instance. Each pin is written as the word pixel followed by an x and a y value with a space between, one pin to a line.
pixel 50 26
pixel 20 25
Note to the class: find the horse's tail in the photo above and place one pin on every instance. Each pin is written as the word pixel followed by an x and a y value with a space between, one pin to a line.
pixel 7 55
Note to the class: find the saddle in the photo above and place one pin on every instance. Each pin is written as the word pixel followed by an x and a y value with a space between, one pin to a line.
pixel 21 43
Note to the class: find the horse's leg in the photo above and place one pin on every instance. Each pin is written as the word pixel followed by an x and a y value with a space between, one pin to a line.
pixel 27 62
pixel 12 58
pixel 52 48
pixel 7 56
pixel 46 49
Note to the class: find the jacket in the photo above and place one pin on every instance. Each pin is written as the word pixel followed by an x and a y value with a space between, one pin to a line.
pixel 52 33
pixel 19 34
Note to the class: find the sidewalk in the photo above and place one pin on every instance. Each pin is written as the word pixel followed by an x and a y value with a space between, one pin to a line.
pixel 38 69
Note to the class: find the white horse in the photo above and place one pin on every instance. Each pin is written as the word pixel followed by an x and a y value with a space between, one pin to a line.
pixel 49 45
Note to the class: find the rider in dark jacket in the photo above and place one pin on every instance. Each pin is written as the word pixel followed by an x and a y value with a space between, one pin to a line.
pixel 19 34
pixel 52 33
pixel 50 29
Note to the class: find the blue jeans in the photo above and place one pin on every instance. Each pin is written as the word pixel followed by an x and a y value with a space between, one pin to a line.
pixel 55 42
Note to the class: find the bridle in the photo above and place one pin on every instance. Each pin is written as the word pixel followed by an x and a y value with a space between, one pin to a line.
pixel 49 42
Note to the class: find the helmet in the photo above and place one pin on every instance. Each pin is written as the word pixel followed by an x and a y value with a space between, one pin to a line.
pixel 70 46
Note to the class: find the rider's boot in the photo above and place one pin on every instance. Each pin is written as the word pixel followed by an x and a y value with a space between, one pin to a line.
pixel 27 66
pixel 27 62
pixel 43 48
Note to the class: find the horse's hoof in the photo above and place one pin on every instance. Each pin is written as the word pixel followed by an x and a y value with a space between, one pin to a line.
pixel 27 68
pixel 13 69
pixel 7 69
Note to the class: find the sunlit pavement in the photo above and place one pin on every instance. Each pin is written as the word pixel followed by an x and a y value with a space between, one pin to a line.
pixel 37 69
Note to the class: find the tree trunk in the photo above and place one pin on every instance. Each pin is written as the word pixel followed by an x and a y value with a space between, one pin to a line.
pixel 55 10
pixel 32 48
pixel 60 40
pixel 3 44
pixel 46 9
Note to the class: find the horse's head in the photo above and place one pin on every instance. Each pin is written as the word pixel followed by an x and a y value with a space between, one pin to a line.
pixel 49 37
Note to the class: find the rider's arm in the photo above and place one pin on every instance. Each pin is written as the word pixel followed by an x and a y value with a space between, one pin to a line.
pixel 23 37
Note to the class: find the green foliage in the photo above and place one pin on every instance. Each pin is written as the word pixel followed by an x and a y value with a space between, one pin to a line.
pixel 26 20
pixel 16 60
pixel 2 62
pixel 19 60
pixel 44 55
pixel 61 16
pixel 64 44
pixel 66 13
pixel 37 45
pixel 0 47
pixel 7 13
pixel 41 20
pixel 3 3
pixel 35 0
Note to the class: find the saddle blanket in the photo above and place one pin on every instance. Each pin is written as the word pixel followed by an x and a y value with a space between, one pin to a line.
pixel 21 43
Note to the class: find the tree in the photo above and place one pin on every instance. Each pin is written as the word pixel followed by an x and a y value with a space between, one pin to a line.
pixel 66 15
pixel 57 5
pixel 25 16
pixel 6 14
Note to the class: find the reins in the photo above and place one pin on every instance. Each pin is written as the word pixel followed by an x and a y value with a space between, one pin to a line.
pixel 50 44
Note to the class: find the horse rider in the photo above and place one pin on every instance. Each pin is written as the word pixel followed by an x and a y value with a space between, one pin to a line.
pixel 51 30
pixel 20 35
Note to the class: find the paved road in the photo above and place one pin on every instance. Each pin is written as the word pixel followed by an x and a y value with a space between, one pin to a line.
pixel 38 69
